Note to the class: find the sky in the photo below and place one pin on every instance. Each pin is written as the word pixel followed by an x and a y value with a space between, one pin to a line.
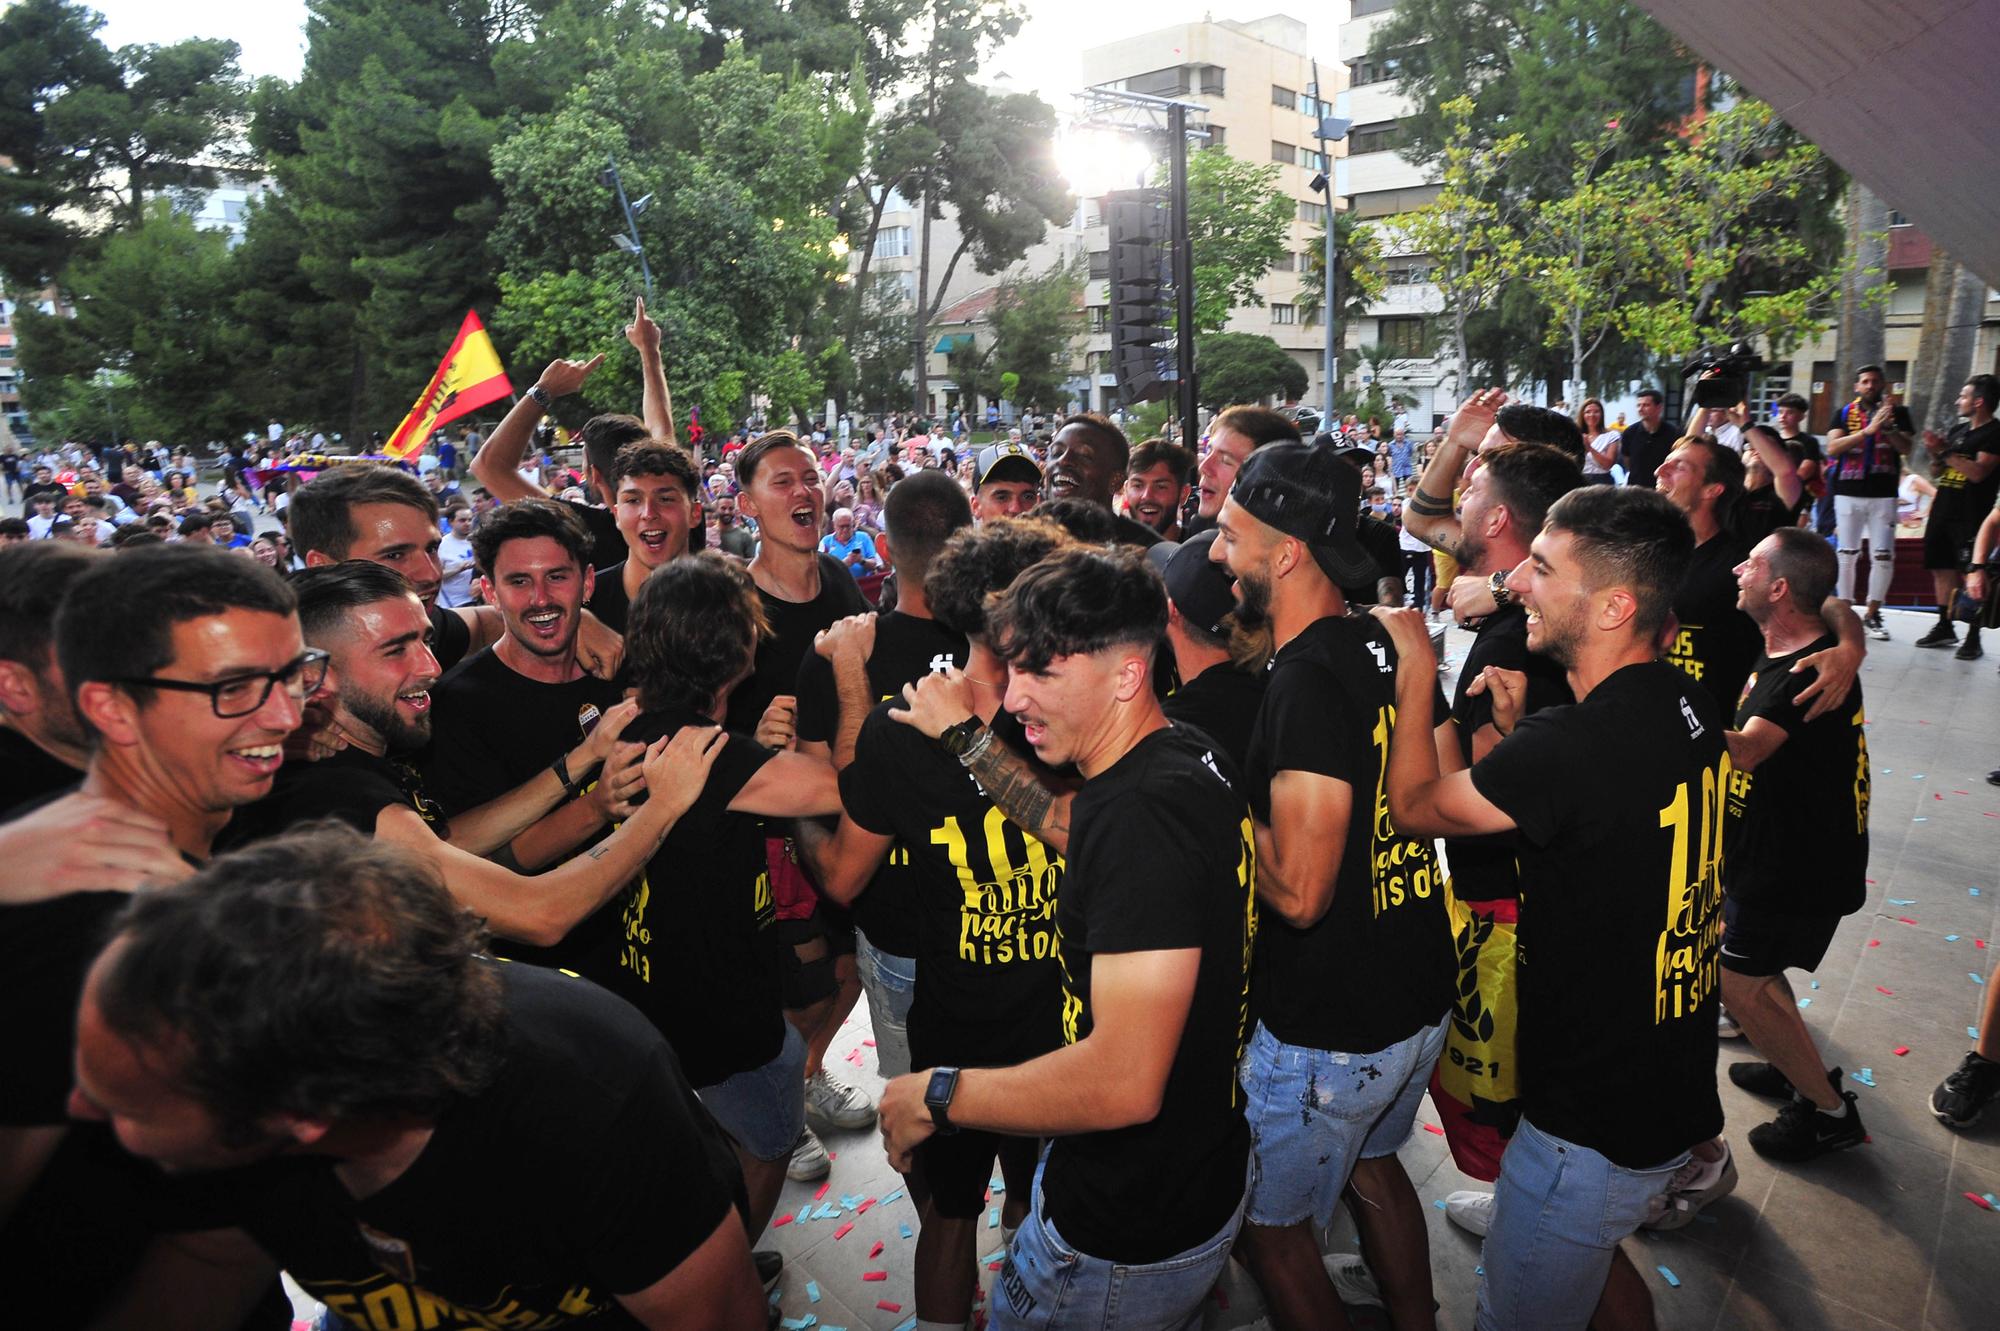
pixel 1044 57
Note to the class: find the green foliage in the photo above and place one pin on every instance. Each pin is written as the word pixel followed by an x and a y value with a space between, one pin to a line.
pixel 1245 367
pixel 1148 420
pixel 1357 270
pixel 1239 226
pixel 881 348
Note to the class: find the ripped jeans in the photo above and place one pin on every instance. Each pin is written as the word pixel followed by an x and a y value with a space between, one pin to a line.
pixel 1314 1112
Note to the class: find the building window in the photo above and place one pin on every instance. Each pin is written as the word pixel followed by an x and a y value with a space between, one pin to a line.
pixel 1382 136
pixel 1310 105
pixel 1407 272
pixel 1402 337
pixel 1312 159
pixel 1376 67
pixel 1288 153
pixel 892 242
pixel 1897 219
pixel 1284 314
pixel 1389 202
pixel 1314 213
pixel 1284 97
pixel 1100 317
pixel 1100 263
pixel 1217 136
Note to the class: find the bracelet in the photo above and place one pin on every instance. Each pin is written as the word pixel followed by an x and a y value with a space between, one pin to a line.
pixel 978 747
pixel 561 769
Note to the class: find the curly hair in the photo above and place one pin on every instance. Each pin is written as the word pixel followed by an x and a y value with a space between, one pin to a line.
pixel 654 457
pixel 979 561
pixel 1077 602
pixel 319 973
pixel 693 628
pixel 526 519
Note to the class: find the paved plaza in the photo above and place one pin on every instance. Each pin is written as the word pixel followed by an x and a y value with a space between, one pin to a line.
pixel 1881 1236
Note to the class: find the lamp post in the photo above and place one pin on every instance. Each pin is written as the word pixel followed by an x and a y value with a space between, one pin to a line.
pixel 1332 129
pixel 629 241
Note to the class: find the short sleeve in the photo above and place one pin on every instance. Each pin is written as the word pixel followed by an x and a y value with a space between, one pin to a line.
pixel 1531 777
pixel 1777 700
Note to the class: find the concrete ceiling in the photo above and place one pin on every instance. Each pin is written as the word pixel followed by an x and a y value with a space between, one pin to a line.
pixel 1905 94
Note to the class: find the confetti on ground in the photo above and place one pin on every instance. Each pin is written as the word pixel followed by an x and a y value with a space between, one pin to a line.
pixel 996 1186
pixel 1439 1203
pixel 827 1211
pixel 1973 890
pixel 1902 901
pixel 1951 938
pixel 812 1291
pixel 1936 796
pixel 907 1324
pixel 1977 978
pixel 854 1057
pixel 1900 1050
pixel 1874 942
pixel 874 1275
pixel 1904 919
pixel 1434 1129
pixel 1669 1277
pixel 849 1202
pixel 798 1323
pixel 1991 1200
pixel 1979 942
pixel 1978 1201
pixel 1815 984
pixel 824 1188
pixel 907 1232
pixel 889 1307
pixel 1805 1002
pixel 1919 820
pixel 1880 990
pixel 1865 1076
pixel 1972 1031
pixel 876 1251
pixel 869 1043
pixel 993 1217
pixel 784 1219
pixel 1918 777
pixel 863 1208
pixel 842 1232
pixel 897 1194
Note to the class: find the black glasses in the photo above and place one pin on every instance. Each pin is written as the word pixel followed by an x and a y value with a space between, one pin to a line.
pixel 240 695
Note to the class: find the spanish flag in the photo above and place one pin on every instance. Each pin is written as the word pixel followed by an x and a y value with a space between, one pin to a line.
pixel 469 377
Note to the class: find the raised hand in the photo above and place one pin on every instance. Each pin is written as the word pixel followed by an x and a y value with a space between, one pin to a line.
pixel 564 377
pixel 642 332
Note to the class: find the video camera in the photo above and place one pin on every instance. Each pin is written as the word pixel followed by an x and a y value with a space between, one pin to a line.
pixel 1722 378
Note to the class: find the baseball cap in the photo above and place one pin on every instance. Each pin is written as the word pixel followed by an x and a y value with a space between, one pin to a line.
pixel 1201 590
pixel 1313 495
pixel 1344 448
pixel 1019 462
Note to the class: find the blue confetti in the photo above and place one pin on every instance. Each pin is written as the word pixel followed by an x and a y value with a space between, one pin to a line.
pixel 849 1203
pixel 905 1229
pixel 1919 820
pixel 798 1323
pixel 1973 890
pixel 993 1218
pixel 1977 978
pixel 1439 1203
pixel 1918 777
pixel 1479 1270
pixel 1888 771
pixel 826 1211
pixel 892 1197
pixel 1815 984
pixel 812 1291
pixel 993 1256
pixel 1951 938
pixel 1865 1076
pixel 1991 1200
pixel 1902 901
pixel 1805 1002
pixel 1972 1031
pixel 907 1324
pixel 1669 1277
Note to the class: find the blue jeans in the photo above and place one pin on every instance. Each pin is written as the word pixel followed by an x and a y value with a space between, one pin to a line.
pixel 890 982
pixel 1047 1285
pixel 764 1109
pixel 1559 1212
pixel 1314 1112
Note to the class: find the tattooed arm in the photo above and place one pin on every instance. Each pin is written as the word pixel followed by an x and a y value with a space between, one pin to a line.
pixel 936 703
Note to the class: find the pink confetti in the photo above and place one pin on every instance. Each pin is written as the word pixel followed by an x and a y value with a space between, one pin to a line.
pixel 1978 1201
pixel 869 1043
pixel 820 1196
pixel 1434 1129
pixel 1871 882
pixel 1900 1050
pixel 1979 942
pixel 854 1057
pixel 874 1275
pixel 784 1219
pixel 888 1307
pixel 876 1251
pixel 842 1232
pixel 863 1208
pixel 1880 990
pixel 1874 942
pixel 1905 919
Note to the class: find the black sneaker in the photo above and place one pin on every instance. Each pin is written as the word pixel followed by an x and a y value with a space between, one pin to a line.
pixel 1802 1131
pixel 1969 651
pixel 770 1266
pixel 1960 1098
pixel 1762 1079
pixel 1941 635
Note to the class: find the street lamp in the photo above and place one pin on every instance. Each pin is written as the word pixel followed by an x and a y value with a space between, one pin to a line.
pixel 1332 129
pixel 629 242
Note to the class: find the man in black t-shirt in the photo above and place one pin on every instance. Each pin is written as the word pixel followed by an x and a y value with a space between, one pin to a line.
pixel 1355 969
pixel 1774 492
pixel 1220 665
pixel 1156 919
pixel 1620 905
pixel 982 890
pixel 186 670
pixel 463 1140
pixel 698 953
pixel 43 745
pixel 1864 455
pixel 1966 467
pixel 656 499
pixel 386 516
pixel 1794 849
pixel 1646 442
pixel 1087 460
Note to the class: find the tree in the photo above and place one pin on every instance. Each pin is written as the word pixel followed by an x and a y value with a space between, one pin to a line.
pixel 1034 322
pixel 1245 367
pixel 91 134
pixel 880 345
pixel 1357 270
pixel 1239 226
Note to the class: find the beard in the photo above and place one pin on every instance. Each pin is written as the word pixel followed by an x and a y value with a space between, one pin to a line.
pixel 1560 642
pixel 398 732
pixel 1253 602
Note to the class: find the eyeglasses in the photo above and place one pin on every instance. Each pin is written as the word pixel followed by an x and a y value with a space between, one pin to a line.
pixel 240 695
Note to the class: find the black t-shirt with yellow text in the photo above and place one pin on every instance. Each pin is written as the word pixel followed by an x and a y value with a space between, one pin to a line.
pixel 1715 642
pixel 1960 499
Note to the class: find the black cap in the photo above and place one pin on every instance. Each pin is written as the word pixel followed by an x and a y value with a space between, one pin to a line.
pixel 1201 590
pixel 1312 494
pixel 1014 457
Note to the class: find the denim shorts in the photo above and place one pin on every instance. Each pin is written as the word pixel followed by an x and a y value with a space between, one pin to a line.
pixel 764 1109
pixel 1314 1112
pixel 1046 1285
pixel 1559 1212
pixel 890 982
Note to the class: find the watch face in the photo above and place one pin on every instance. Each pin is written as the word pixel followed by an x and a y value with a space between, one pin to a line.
pixel 942 1083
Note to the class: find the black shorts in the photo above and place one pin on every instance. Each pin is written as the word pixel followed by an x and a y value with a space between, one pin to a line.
pixel 838 922
pixel 807 953
pixel 1948 545
pixel 958 1169
pixel 1757 941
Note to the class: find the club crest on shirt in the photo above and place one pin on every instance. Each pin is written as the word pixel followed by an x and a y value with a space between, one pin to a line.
pixel 1695 728
pixel 390 1253
pixel 1208 761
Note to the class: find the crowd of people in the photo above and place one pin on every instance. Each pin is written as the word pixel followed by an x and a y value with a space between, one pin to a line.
pixel 455 910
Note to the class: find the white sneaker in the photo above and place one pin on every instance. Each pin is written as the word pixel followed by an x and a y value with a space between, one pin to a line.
pixel 809 1159
pixel 1725 1025
pixel 834 1104
pixel 1470 1211
pixel 1352 1280
pixel 1876 628
pixel 1693 1186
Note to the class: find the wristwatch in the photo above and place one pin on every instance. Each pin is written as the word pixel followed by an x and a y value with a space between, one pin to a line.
pixel 542 397
pixel 943 1085
pixel 957 739
pixel 1497 584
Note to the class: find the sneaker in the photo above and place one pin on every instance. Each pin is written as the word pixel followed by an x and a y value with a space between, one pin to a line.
pixel 1969 651
pixel 1941 635
pixel 1876 628
pixel 1802 1132
pixel 1961 1097
pixel 1993 777
pixel 1694 1185
pixel 1470 1211
pixel 770 1265
pixel 809 1160
pixel 1725 1025
pixel 1352 1280
pixel 834 1104
pixel 1762 1079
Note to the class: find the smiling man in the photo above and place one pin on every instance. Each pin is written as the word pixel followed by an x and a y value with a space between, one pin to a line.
pixel 1156 485
pixel 1087 461
pixel 654 490
pixel 1232 437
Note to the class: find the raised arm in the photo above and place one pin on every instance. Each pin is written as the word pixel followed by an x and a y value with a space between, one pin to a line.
pixel 1424 801
pixel 942 700
pixel 498 466
pixel 657 404
pixel 1427 514
pixel 1784 472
